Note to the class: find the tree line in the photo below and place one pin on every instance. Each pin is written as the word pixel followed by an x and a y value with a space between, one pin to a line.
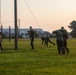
pixel 72 26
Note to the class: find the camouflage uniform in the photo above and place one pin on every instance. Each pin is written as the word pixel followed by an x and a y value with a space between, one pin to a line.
pixel 59 40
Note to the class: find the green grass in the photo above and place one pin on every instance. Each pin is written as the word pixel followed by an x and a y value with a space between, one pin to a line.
pixel 41 61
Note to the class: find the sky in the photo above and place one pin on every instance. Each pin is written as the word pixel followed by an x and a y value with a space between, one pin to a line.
pixel 49 15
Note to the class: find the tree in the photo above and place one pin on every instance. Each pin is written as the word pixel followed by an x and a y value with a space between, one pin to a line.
pixel 72 26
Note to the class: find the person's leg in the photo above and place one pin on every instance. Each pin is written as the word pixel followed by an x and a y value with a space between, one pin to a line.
pixel 58 47
pixel 62 47
pixel 46 42
pixel 51 42
pixel 65 46
pixel 32 45
pixel 1 45
pixel 67 49
pixel 42 40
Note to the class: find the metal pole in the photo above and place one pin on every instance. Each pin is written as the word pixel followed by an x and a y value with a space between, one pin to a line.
pixel 15 20
pixel 0 15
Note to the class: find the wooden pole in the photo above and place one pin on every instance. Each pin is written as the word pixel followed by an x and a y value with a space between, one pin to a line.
pixel 0 15
pixel 15 19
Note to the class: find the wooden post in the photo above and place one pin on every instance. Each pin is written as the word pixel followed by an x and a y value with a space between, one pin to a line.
pixel 9 33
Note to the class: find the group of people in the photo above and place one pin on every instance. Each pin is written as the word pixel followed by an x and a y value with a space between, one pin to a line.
pixel 61 40
pixel 62 36
pixel 45 40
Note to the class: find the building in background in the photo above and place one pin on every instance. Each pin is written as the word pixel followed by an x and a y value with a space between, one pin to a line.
pixel 23 33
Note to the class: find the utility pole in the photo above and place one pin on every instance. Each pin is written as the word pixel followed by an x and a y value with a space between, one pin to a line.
pixel 15 20
pixel 0 15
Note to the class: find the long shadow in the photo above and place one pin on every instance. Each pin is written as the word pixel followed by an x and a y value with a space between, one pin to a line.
pixel 12 50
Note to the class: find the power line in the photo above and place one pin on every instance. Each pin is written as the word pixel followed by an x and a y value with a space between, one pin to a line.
pixel 32 13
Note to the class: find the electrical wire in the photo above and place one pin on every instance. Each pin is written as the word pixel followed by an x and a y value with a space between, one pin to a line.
pixel 32 13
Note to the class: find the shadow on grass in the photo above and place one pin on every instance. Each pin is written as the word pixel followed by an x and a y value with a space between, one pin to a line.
pixel 12 50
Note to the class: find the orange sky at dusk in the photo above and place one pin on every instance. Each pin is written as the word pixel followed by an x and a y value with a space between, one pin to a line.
pixel 50 14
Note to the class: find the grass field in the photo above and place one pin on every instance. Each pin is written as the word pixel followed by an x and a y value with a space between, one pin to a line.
pixel 41 61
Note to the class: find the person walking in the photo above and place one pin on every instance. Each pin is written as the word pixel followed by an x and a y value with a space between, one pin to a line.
pixel 31 34
pixel 59 41
pixel 65 37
